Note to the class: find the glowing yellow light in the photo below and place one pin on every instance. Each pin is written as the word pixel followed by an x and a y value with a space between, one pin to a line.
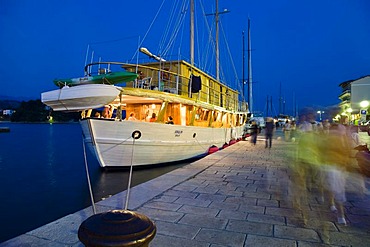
pixel 364 104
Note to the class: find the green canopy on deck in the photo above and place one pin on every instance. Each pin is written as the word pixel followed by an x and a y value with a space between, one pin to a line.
pixel 109 78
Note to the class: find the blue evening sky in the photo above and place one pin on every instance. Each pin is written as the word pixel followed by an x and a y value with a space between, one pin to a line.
pixel 308 47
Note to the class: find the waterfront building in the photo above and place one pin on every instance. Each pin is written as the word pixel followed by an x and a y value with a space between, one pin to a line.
pixel 8 112
pixel 353 96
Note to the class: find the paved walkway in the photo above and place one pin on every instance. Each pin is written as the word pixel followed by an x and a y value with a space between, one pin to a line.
pixel 239 196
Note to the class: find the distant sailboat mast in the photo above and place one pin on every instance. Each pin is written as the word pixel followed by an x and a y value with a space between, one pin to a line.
pixel 243 66
pixel 250 90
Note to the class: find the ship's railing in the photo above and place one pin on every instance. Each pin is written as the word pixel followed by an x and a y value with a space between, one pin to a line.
pixel 166 80
pixel 154 77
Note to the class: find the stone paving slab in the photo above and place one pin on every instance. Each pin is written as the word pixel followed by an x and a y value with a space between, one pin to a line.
pixel 239 196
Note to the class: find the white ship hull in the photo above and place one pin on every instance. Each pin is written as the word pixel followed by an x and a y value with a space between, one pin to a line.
pixel 113 144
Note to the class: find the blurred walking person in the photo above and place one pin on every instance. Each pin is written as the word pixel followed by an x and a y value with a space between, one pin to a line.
pixel 269 132
pixel 305 168
pixel 287 129
pixel 356 177
pixel 293 130
pixel 335 157
pixel 254 132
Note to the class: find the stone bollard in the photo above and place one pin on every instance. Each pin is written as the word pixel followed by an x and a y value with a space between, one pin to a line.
pixel 117 228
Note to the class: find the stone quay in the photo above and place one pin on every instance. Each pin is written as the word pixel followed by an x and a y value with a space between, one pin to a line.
pixel 238 196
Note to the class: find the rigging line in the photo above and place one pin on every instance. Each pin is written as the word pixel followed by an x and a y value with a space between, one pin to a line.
pixel 222 71
pixel 197 36
pixel 211 43
pixel 273 108
pixel 176 31
pixel 185 7
pixel 203 57
pixel 166 31
pixel 231 58
pixel 113 40
pixel 211 46
pixel 172 38
pixel 150 26
pixel 177 25
pixel 207 62
pixel 170 44
pixel 93 45
pixel 264 112
pixel 181 41
pixel 171 49
pixel 223 76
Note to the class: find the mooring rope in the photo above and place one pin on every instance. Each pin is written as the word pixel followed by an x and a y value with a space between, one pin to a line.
pixel 88 177
pixel 135 135
pixel 113 146
pixel 200 144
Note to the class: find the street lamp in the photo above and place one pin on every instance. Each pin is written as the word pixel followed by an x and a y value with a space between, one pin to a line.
pixel 151 55
pixel 320 112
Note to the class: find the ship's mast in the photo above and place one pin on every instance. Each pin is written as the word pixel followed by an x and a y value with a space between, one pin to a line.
pixel 192 32
pixel 250 92
pixel 217 47
pixel 217 14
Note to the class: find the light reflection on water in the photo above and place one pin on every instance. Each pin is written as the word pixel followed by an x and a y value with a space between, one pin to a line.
pixel 43 178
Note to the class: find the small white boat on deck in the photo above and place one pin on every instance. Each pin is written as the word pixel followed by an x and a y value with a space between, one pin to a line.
pixel 81 97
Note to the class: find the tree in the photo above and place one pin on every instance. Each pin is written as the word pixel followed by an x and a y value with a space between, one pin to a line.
pixel 36 111
pixel 31 111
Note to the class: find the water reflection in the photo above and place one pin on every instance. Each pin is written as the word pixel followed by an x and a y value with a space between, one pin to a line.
pixel 43 176
pixel 107 182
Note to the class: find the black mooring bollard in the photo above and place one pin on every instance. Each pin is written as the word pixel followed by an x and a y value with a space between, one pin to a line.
pixel 117 228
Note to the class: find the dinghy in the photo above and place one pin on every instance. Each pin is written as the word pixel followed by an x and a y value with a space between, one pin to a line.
pixel 80 98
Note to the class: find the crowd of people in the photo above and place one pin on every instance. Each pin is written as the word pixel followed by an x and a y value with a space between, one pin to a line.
pixel 322 162
pixel 109 112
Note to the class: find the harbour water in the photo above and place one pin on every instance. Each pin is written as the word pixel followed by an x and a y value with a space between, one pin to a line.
pixel 43 177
